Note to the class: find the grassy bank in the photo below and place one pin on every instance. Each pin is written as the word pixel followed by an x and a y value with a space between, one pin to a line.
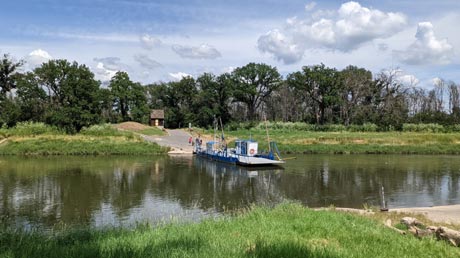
pixel 39 139
pixel 289 230
pixel 344 142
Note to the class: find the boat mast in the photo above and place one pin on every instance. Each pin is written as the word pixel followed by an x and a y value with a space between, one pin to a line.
pixel 268 137
pixel 223 136
pixel 215 129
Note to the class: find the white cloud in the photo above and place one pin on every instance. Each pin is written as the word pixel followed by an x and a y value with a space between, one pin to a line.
pixel 347 29
pixel 408 80
pixel 37 57
pixel 310 6
pixel 102 73
pixel 112 63
pixel 436 81
pixel 149 42
pixel 179 75
pixel 107 67
pixel 426 49
pixel 146 62
pixel 403 78
pixel 204 51
pixel 274 42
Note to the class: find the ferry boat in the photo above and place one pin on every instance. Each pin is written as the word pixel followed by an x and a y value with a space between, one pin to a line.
pixel 245 152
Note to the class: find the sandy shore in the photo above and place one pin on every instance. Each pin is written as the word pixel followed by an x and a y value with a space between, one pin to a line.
pixel 444 214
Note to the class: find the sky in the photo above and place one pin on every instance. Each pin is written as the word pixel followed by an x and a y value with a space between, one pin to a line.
pixel 165 40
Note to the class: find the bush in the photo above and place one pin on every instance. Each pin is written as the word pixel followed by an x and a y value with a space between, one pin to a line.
pixel 453 128
pixel 367 127
pixel 299 126
pixel 426 128
pixel 31 129
pixel 101 130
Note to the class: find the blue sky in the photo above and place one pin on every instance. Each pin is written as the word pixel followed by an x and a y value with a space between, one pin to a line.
pixel 164 40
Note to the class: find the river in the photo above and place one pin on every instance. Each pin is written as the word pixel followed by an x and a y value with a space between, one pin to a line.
pixel 42 192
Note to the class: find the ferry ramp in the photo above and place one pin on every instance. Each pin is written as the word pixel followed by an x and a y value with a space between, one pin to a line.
pixel 176 139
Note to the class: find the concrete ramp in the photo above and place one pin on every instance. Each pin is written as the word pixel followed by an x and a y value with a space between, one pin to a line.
pixel 177 140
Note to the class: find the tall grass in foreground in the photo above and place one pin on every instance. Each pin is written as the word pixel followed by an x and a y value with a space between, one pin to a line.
pixel 289 230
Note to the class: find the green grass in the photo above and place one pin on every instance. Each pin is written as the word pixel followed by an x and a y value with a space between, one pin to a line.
pixel 296 141
pixel 79 146
pixel 151 131
pixel 289 230
pixel 40 139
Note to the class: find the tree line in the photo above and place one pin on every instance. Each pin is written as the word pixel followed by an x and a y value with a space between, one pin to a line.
pixel 67 95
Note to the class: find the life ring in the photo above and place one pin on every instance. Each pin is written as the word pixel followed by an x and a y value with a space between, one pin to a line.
pixel 251 151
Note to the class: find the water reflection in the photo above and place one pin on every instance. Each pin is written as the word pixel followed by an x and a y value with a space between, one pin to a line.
pixel 122 191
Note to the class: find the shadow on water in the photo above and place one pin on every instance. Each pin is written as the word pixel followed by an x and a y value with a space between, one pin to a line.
pixel 102 191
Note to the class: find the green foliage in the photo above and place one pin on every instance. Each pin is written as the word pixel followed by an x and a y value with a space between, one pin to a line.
pixel 31 129
pixel 426 128
pixel 128 98
pixel 103 130
pixel 288 230
pixel 347 142
pixel 78 146
pixel 151 131
pixel 321 85
pixel 10 112
pixel 299 126
pixel 74 99
pixel 8 74
pixel 66 95
pixel 254 83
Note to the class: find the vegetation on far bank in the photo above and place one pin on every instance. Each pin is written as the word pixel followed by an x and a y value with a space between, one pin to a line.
pixel 288 230
pixel 338 139
pixel 66 95
pixel 40 139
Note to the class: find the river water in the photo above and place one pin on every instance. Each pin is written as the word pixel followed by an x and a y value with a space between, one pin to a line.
pixel 123 191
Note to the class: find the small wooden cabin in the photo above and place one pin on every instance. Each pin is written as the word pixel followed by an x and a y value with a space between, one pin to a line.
pixel 157 117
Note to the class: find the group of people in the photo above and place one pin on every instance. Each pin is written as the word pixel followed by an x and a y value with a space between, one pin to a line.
pixel 198 141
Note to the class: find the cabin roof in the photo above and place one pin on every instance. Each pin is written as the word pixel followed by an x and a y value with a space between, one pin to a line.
pixel 157 114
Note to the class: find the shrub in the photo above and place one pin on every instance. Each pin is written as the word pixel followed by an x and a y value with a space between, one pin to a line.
pixel 32 129
pixel 101 130
pixel 428 128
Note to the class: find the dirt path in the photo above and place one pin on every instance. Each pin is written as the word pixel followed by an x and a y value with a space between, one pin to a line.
pixel 177 140
pixel 446 214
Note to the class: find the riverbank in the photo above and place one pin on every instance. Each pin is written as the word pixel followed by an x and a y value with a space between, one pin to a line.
pixel 39 139
pixel 289 230
pixel 307 142
pixel 449 214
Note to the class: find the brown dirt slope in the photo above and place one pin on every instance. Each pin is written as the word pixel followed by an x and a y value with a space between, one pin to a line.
pixel 131 126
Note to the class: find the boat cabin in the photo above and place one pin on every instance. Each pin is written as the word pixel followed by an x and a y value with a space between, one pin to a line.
pixel 246 147
pixel 210 147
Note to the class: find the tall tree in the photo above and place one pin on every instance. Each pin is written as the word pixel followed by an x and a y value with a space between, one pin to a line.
pixel 9 108
pixel 356 92
pixel 31 98
pixel 390 105
pixel 253 85
pixel 8 74
pixel 73 94
pixel 321 84
pixel 120 87
pixel 212 99
pixel 129 98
